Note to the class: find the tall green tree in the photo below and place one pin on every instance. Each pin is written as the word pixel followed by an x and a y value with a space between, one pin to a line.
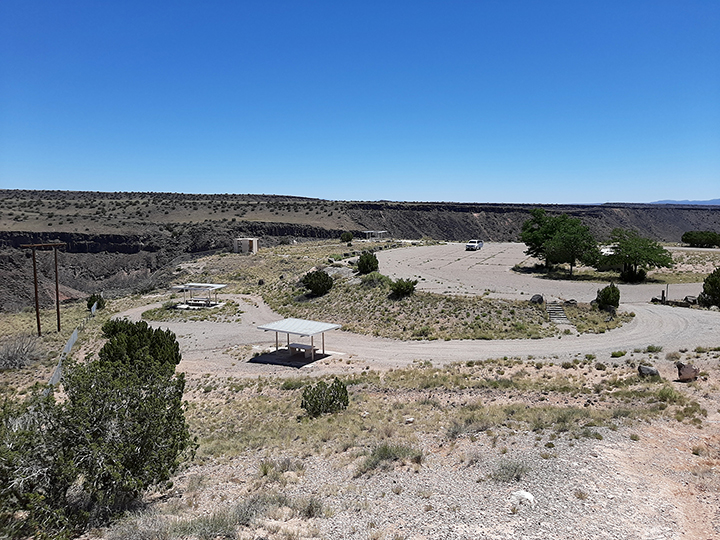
pixel 636 254
pixel 572 243
pixel 558 239
pixel 536 231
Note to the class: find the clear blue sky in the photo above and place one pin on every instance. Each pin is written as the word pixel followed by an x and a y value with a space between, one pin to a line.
pixel 483 101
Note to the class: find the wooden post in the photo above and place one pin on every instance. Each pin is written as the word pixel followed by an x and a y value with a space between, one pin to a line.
pixel 55 246
pixel 37 301
pixel 57 290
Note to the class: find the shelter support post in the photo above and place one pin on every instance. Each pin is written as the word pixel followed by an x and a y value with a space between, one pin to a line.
pixel 323 342
pixel 277 343
pixel 312 347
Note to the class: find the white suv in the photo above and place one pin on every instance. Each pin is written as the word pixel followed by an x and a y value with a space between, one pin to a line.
pixel 473 245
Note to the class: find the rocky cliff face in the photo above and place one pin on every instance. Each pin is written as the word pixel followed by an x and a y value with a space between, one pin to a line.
pixel 500 222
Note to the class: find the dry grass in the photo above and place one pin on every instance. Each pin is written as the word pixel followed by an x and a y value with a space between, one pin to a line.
pixel 370 310
pixel 473 398
pixel 229 312
pixel 589 320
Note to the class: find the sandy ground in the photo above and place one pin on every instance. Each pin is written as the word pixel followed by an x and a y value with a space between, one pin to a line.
pixel 223 348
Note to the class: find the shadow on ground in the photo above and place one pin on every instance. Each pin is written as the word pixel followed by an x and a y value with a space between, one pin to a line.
pixel 284 358
pixel 563 275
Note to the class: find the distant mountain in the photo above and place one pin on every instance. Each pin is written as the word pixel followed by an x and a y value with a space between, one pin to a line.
pixel 711 202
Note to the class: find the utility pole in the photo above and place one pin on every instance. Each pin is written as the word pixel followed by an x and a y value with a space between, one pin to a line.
pixel 55 246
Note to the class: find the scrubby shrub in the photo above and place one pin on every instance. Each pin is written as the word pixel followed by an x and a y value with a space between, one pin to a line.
pixel 711 290
pixel 608 297
pixel 367 262
pixel 376 279
pixel 403 287
pixel 347 236
pixel 509 471
pixel 318 282
pixel 96 298
pixel 119 430
pixel 321 398
pixel 18 352
pixel 386 453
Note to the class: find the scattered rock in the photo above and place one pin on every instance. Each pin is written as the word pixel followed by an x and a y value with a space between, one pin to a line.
pixel 714 308
pixel 647 371
pixel 571 302
pixel 537 299
pixel 686 372
pixel 521 497
pixel 261 282
pixel 409 420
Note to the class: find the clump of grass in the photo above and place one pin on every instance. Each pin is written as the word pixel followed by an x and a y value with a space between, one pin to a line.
pixel 580 494
pixel 668 394
pixel 653 349
pixel 617 354
pixel 273 469
pixel 509 471
pixel 634 437
pixel 220 524
pixel 311 508
pixel 384 454
pixel 292 384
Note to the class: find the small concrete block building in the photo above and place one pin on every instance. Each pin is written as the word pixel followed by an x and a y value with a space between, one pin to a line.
pixel 245 245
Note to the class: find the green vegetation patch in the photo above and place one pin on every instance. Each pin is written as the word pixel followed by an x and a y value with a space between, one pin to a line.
pixel 229 312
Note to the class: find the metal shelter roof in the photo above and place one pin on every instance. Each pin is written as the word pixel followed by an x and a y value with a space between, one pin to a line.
pixel 300 327
pixel 211 287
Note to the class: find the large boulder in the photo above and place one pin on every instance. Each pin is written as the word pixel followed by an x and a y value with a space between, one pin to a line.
pixel 537 299
pixel 647 371
pixel 686 372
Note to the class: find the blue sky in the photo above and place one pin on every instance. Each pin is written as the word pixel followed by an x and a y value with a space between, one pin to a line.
pixel 484 101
